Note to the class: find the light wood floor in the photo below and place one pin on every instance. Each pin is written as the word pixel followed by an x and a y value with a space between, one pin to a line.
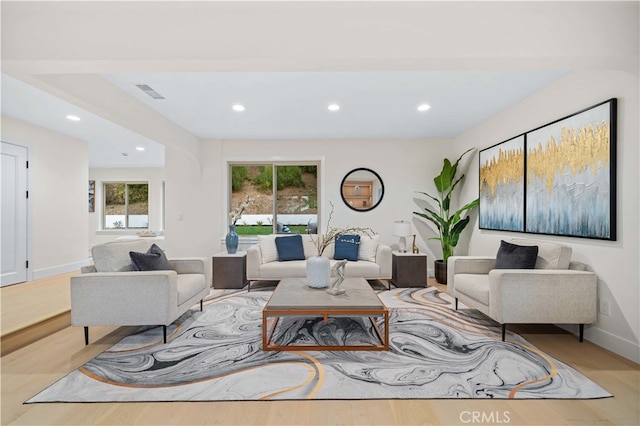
pixel 33 310
pixel 28 370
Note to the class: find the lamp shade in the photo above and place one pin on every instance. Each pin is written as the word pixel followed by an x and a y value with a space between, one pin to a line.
pixel 401 229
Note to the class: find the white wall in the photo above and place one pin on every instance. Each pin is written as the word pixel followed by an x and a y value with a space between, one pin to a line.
pixel 153 175
pixel 58 197
pixel 199 198
pixel 615 262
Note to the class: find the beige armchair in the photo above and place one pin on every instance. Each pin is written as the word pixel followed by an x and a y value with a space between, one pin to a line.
pixel 110 293
pixel 556 291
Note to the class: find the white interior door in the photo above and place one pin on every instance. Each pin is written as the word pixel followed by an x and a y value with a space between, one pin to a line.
pixel 13 173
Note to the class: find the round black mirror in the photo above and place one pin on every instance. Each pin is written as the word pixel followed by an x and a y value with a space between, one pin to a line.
pixel 362 189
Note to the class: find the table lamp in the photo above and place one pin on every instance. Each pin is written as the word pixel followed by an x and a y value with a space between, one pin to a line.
pixel 402 229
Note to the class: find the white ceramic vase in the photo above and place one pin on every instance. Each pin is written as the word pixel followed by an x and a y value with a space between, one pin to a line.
pixel 318 272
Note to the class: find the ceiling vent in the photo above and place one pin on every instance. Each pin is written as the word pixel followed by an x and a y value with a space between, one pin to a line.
pixel 149 91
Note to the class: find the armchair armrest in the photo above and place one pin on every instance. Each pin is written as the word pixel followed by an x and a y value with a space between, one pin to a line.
pixel 87 269
pixel 543 296
pixel 254 262
pixel 193 265
pixel 470 264
pixel 123 298
pixel 467 265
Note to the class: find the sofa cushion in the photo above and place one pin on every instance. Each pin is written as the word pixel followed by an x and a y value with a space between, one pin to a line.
pixel 290 248
pixel 347 247
pixel 298 269
pixel 330 250
pixel 153 260
pixel 279 270
pixel 550 255
pixel 268 249
pixel 368 248
pixel 113 256
pixel 475 286
pixel 360 269
pixel 309 243
pixel 512 256
pixel 189 285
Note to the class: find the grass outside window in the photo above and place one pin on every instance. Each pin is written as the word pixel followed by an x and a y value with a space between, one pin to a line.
pixel 267 229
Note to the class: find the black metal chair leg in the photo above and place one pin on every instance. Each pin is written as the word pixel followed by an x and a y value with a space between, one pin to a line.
pixel 201 304
pixel 456 303
pixel 86 336
pixel 504 331
pixel 581 333
pixel 164 333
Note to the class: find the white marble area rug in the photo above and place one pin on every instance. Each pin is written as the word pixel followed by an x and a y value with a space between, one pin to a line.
pixel 214 355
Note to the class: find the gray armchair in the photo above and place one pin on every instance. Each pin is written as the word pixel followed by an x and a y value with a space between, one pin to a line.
pixel 556 291
pixel 110 293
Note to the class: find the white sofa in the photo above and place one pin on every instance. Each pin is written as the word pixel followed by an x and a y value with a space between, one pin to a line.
pixel 374 260
pixel 110 293
pixel 556 291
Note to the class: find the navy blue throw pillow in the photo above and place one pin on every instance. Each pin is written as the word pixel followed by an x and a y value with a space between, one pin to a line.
pixel 290 248
pixel 347 247
pixel 153 260
pixel 511 256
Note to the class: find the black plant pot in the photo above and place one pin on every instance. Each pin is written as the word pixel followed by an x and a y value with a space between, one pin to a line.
pixel 441 271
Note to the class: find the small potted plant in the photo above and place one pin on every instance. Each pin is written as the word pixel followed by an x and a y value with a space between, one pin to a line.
pixel 449 225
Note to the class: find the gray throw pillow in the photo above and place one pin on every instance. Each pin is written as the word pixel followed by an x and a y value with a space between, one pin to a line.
pixel 511 256
pixel 153 260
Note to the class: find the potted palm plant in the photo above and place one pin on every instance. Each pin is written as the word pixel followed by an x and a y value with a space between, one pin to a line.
pixel 449 225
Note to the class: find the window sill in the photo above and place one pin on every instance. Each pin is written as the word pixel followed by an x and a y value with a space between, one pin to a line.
pixel 132 232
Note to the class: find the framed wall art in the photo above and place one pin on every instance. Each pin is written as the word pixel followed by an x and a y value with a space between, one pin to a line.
pixel 92 196
pixel 571 169
pixel 558 179
pixel 502 186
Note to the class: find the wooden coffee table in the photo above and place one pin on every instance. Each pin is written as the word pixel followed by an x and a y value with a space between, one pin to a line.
pixel 293 297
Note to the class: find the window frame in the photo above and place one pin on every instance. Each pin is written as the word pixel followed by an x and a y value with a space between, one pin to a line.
pixel 127 214
pixel 273 162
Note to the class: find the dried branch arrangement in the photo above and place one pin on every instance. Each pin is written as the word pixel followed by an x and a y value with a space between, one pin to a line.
pixel 325 240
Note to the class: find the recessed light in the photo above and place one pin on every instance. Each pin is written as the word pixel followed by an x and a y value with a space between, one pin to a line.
pixel 139 148
pixel 238 107
pixel 423 107
pixel 72 117
pixel 333 107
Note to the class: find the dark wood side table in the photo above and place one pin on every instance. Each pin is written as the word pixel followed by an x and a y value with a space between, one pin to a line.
pixel 230 270
pixel 408 269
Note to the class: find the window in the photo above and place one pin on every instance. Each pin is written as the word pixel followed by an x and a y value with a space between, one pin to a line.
pixel 284 197
pixel 126 205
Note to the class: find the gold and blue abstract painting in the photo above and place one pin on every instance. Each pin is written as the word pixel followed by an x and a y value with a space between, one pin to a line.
pixel 558 179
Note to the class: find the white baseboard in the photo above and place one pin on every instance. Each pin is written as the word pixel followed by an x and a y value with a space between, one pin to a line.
pixel 623 347
pixel 59 269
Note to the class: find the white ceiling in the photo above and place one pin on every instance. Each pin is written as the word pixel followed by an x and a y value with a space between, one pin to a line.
pixel 285 62
pixel 107 141
pixel 284 105
pixel 293 105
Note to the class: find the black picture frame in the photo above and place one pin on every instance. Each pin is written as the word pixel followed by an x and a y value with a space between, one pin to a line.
pixel 362 198
pixel 569 178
